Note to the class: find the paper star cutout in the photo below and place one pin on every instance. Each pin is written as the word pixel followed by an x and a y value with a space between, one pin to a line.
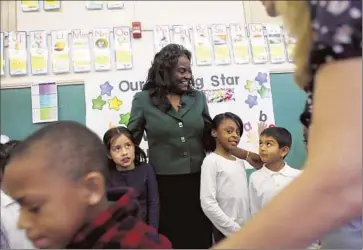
pixel 261 78
pixel 114 103
pixel 264 92
pixel 251 101
pixel 106 89
pixel 124 119
pixel 249 85
pixel 111 125
pixel 98 103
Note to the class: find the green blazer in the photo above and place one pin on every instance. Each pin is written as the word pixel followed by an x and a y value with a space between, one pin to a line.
pixel 174 138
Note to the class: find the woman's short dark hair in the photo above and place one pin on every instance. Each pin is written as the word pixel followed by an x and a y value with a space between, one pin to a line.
pixel 159 79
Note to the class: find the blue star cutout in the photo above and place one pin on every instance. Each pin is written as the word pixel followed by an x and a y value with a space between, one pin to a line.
pixel 251 101
pixel 106 89
pixel 261 78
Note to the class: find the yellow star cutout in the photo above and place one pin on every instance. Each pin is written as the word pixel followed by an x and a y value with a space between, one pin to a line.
pixel 111 125
pixel 249 85
pixel 114 103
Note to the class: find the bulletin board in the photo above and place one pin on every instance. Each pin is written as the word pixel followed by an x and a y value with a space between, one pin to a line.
pixel 74 15
pixel 16 116
pixel 16 96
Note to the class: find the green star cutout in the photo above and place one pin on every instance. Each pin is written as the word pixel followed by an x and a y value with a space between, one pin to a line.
pixel 98 103
pixel 249 85
pixel 264 92
pixel 124 119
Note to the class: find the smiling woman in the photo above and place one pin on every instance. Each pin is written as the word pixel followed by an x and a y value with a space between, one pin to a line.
pixel 173 114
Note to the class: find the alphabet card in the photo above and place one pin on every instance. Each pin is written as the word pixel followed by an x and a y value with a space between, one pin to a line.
pixel 101 49
pixel 202 45
pixel 290 46
pixel 240 43
pixel 123 48
pixel 60 51
pixel 29 5
pixel 258 43
pixel 39 52
pixel 181 35
pixel 81 56
pixel 115 4
pixel 94 5
pixel 2 61
pixel 51 4
pixel 18 55
pixel 161 37
pixel 222 54
pixel 275 43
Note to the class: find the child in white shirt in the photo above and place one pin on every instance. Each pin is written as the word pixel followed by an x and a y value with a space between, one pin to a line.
pixel 9 208
pixel 224 188
pixel 265 183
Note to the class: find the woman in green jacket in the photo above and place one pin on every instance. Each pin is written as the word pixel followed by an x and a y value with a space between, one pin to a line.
pixel 174 114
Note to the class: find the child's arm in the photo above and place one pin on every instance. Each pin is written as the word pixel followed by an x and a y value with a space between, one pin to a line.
pixel 254 204
pixel 252 158
pixel 210 206
pixel 152 198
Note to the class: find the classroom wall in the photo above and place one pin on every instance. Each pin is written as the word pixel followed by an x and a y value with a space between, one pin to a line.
pixel 74 15
pixel 16 111
pixel 16 103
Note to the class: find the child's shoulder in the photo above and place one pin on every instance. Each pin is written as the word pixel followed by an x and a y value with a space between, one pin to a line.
pixel 256 174
pixel 210 157
pixel 146 166
pixel 294 171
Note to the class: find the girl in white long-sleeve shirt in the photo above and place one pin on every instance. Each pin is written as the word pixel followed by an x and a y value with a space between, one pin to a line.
pixel 224 189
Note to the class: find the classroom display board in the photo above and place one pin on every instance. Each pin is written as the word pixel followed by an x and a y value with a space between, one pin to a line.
pixel 16 111
pixel 233 61
pixel 243 91
pixel 44 52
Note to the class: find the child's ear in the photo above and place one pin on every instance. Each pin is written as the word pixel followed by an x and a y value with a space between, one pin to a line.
pixel 214 133
pixel 95 187
pixel 109 156
pixel 284 151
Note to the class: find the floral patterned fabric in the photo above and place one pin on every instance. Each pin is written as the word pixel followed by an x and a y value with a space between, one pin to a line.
pixel 337 27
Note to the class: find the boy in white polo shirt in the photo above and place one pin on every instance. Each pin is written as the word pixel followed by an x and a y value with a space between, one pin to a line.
pixel 265 183
pixel 275 174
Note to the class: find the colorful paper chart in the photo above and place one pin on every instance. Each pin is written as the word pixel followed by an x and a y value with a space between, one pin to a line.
pixel 45 102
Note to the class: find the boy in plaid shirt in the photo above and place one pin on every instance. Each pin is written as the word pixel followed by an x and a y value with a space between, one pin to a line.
pixel 58 177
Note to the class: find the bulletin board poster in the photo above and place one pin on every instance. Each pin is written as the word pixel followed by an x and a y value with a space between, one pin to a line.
pixel 243 90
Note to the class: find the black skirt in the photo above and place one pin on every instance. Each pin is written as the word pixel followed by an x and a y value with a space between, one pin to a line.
pixel 182 220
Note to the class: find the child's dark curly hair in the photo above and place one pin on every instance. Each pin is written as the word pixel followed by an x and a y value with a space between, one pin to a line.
pixel 5 151
pixel 159 79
